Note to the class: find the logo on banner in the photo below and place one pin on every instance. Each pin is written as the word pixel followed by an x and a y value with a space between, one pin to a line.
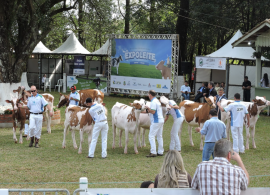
pixel 134 84
pixel 128 83
pixel 220 64
pixel 200 62
pixel 124 83
pixel 158 85
pixel 149 85
pixel 165 87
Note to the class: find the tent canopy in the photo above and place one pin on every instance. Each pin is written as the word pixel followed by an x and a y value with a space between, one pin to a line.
pixel 227 51
pixel 103 50
pixel 41 48
pixel 71 46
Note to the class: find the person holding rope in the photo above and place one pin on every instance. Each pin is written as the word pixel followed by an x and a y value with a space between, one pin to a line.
pixel 74 96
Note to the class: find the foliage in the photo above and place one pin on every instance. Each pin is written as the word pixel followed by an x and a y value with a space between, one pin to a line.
pixel 8 111
pixel 257 54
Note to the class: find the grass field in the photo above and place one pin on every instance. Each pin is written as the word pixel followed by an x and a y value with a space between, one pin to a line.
pixel 24 167
pixel 128 70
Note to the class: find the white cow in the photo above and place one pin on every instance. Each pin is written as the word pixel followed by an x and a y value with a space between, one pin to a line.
pixel 195 115
pixel 126 118
pixel 116 61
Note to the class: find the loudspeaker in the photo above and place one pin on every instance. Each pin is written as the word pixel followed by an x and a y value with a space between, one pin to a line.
pixel 186 67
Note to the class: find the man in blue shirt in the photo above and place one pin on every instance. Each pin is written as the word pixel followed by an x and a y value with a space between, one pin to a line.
pixel 185 90
pixel 213 130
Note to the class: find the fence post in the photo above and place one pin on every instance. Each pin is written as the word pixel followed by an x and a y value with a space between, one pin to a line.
pixel 83 184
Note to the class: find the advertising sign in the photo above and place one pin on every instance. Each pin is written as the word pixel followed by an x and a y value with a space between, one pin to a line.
pixel 78 65
pixel 141 64
pixel 211 63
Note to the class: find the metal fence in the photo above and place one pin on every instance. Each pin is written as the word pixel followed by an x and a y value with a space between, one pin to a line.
pixel 44 191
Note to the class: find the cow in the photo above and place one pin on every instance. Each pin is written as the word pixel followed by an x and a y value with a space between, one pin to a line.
pixel 254 108
pixel 165 71
pixel 195 115
pixel 95 94
pixel 19 116
pixel 144 120
pixel 50 99
pixel 126 118
pixel 116 62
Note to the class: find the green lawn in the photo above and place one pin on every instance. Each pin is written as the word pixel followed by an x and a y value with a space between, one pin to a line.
pixel 22 166
pixel 137 70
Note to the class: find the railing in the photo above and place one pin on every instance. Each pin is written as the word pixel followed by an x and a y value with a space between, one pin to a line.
pixel 56 191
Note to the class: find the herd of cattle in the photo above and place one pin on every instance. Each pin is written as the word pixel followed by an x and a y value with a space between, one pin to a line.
pixel 129 118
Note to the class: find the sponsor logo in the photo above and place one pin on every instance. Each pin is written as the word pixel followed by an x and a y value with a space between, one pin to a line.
pixel 139 84
pixel 124 83
pixel 220 63
pixel 114 82
pixel 164 87
pixel 149 85
pixel 158 85
pixel 128 83
pixel 134 84
pixel 200 62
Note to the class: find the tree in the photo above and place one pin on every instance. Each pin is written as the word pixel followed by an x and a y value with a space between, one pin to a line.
pixel 22 25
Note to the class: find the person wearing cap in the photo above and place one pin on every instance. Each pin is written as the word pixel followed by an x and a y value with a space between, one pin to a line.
pixel 74 96
pixel 35 104
pixel 214 130
pixel 156 127
pixel 97 112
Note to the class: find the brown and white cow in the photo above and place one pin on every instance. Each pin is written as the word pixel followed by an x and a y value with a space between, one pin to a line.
pixel 195 115
pixel 50 99
pixel 95 94
pixel 126 118
pixel 19 116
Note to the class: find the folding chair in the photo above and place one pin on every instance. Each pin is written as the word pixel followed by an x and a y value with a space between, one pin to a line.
pixel 59 85
pixel 47 84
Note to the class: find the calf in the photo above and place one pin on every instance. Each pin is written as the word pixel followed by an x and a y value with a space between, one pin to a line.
pixel 126 118
pixel 165 71
pixel 19 116
pixel 49 98
pixel 95 94
pixel 195 115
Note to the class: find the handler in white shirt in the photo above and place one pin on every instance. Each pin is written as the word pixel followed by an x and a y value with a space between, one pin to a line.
pixel 97 112
pixel 185 90
pixel 238 111
pixel 178 120
pixel 74 96
pixel 156 128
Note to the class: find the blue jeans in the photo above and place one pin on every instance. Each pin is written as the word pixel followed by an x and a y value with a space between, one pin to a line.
pixel 208 150
pixel 186 96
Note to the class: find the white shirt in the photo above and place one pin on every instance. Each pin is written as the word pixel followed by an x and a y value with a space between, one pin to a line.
pixel 97 112
pixel 43 79
pixel 36 103
pixel 185 88
pixel 76 96
pixel 174 112
pixel 263 83
pixel 238 112
pixel 158 116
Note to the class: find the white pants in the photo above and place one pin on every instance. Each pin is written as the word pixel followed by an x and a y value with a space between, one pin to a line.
pixel 237 135
pixel 175 142
pixel 103 128
pixel 26 129
pixel 156 129
pixel 35 125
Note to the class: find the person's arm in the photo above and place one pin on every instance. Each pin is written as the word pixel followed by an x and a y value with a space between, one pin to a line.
pixel 174 106
pixel 189 91
pixel 182 90
pixel 150 110
pixel 220 108
pixel 243 86
pixel 237 158
pixel 202 131
pixel 166 118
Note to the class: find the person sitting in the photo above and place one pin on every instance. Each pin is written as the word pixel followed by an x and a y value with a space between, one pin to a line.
pixel 265 81
pixel 200 92
pixel 185 90
pixel 147 184
pixel 219 175
pixel 173 173
pixel 217 87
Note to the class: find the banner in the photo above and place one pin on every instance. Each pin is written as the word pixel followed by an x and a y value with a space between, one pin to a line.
pixel 78 65
pixel 211 63
pixel 141 64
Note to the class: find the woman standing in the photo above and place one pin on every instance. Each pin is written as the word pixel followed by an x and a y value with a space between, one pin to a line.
pixel 265 81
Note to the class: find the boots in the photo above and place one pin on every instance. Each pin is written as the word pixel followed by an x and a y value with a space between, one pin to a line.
pixel 36 144
pixel 31 142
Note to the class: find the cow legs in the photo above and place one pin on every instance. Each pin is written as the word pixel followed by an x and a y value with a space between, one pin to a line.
pixel 65 133
pixel 143 137
pixel 126 141
pixel 81 141
pixel 73 138
pixel 21 132
pixel 90 135
pixel 190 135
pixel 253 136
pixel 139 138
pixel 120 138
pixel 114 133
pixel 135 142
pixel 14 132
pixel 247 136
pixel 228 128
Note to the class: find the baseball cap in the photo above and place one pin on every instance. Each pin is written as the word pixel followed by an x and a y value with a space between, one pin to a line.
pixel 73 88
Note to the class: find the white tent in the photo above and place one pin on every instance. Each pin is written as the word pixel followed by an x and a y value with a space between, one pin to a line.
pixel 227 51
pixel 71 46
pixel 41 48
pixel 103 50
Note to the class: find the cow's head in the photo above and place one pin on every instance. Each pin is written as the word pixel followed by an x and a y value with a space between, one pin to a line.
pixel 210 101
pixel 160 65
pixel 138 104
pixel 120 58
pixel 165 102
pixel 261 101
pixel 63 101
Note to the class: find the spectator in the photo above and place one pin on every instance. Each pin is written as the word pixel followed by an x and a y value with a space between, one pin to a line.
pixel 219 97
pixel 219 176
pixel 173 173
pixel 238 112
pixel 213 130
pixel 206 90
pixel 200 92
pixel 246 86
pixel 217 87
pixel 222 85
pixel 43 80
pixel 74 96
pixel 185 90
pixel 147 184
pixel 265 81
pixel 212 91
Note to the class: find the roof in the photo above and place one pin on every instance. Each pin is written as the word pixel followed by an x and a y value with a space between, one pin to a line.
pixel 71 46
pixel 103 50
pixel 227 51
pixel 251 35
pixel 41 48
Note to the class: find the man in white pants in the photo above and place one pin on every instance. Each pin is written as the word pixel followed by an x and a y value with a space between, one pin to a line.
pixel 35 104
pixel 156 128
pixel 178 120
pixel 238 112
pixel 97 112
